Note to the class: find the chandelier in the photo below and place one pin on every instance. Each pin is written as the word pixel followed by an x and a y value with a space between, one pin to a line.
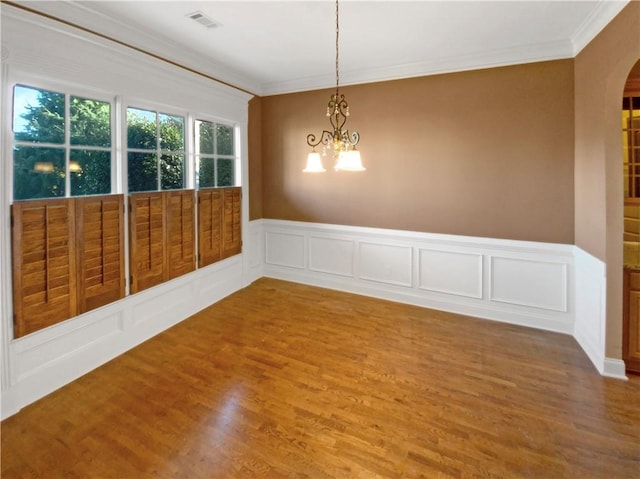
pixel 338 141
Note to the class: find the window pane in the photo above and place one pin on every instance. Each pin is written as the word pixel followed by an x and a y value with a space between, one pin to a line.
pixel 38 115
pixel 90 122
pixel 172 172
pixel 90 172
pixel 204 130
pixel 206 176
pixel 626 123
pixel 38 172
pixel 225 173
pixel 225 139
pixel 141 129
pixel 171 132
pixel 143 171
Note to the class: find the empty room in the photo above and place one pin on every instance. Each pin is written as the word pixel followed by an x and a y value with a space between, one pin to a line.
pixel 320 239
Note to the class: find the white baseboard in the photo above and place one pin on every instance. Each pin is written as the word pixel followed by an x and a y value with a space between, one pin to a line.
pixel 614 368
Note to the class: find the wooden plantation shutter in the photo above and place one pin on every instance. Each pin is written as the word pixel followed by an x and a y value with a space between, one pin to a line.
pixel 231 228
pixel 219 224
pixel 100 246
pixel 147 240
pixel 162 237
pixel 209 226
pixel 180 232
pixel 44 276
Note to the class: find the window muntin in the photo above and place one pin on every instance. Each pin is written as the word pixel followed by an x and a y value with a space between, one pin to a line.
pixel 631 145
pixel 155 150
pixel 215 154
pixel 61 144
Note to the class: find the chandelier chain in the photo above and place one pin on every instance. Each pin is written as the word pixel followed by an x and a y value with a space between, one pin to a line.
pixel 337 50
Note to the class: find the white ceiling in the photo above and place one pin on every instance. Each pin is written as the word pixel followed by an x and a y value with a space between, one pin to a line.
pixel 269 47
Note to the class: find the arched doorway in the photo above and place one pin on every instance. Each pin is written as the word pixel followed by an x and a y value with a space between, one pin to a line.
pixel 631 212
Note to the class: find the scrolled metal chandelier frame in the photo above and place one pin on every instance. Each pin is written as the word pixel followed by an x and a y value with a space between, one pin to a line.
pixel 339 141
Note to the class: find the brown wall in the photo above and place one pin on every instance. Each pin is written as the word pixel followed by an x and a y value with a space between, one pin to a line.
pixel 254 133
pixel 601 70
pixel 480 153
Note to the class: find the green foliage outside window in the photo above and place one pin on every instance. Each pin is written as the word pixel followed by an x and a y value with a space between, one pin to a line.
pixel 155 158
pixel 40 149
pixel 216 154
pixel 48 148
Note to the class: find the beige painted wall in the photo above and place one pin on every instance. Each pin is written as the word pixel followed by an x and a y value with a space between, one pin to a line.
pixel 601 70
pixel 482 153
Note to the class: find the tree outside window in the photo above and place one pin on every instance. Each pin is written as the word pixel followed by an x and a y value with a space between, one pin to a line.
pixel 155 151
pixel 53 143
pixel 215 154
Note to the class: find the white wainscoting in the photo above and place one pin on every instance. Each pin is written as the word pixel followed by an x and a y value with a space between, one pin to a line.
pixel 519 282
pixel 45 360
pixel 590 324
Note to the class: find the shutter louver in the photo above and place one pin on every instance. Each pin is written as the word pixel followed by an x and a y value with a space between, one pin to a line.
pixel 147 240
pixel 180 232
pixel 209 226
pixel 100 241
pixel 44 276
pixel 231 226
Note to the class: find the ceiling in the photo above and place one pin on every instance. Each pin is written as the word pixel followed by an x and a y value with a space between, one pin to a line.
pixel 269 47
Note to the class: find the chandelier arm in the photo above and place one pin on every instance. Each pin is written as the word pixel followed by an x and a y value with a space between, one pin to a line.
pixel 325 138
pixel 354 137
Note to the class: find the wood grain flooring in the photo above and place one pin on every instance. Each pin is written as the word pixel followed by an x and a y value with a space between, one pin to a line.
pixel 282 380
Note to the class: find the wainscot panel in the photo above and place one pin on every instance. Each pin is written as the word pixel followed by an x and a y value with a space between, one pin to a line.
pixel 285 249
pixel 451 272
pixel 538 284
pixel 386 263
pixel 331 255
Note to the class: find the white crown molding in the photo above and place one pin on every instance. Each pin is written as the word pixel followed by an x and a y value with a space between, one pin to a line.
pixel 595 22
pixel 487 59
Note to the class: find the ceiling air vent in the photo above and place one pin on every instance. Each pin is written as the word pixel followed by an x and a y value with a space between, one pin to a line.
pixel 204 20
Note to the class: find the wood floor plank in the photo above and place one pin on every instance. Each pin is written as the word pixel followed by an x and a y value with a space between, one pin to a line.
pixel 282 380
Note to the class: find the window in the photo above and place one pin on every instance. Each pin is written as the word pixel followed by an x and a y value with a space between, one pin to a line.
pixel 215 154
pixel 631 145
pixel 155 151
pixel 62 144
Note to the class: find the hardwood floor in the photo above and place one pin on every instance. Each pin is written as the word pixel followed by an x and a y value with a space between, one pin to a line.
pixel 282 380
